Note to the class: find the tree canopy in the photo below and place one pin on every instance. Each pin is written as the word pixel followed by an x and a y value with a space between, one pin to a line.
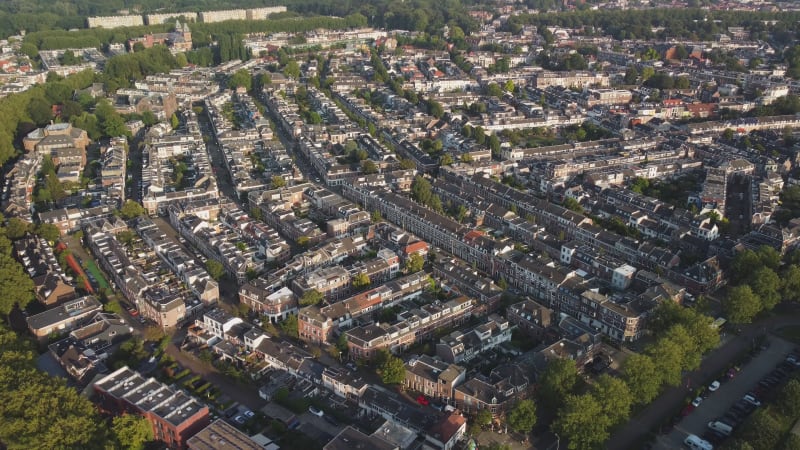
pixel 523 416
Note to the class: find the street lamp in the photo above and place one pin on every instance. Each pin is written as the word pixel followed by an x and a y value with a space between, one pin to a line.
pixel 558 441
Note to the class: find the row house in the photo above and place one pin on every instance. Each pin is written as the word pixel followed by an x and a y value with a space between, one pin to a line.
pixel 276 306
pixel 462 278
pixel 623 322
pixel 497 393
pixel 173 415
pixel 461 346
pixel 433 377
pixel 530 317
pixel 51 284
pixel 318 324
pixel 415 325
pixel 332 282
pixel 343 383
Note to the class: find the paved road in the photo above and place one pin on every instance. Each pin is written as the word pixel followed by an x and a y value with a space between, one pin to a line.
pixel 719 402
pixel 245 395
pixel 637 428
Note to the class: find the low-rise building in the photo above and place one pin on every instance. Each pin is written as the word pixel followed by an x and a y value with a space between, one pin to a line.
pixel 530 317
pixel 63 318
pixel 433 377
pixel 220 435
pixel 174 416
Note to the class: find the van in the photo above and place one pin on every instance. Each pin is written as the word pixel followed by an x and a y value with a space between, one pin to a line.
pixel 721 427
pixel 695 443
pixel 752 400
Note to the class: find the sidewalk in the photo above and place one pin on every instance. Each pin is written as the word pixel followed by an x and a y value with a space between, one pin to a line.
pixel 637 428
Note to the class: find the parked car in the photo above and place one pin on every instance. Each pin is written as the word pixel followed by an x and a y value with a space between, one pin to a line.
pixel 713 386
pixel 239 419
pixel 248 414
pixel 315 411
pixel 696 402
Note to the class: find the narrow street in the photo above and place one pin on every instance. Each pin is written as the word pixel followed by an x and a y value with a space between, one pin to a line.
pixel 244 394
pixel 217 158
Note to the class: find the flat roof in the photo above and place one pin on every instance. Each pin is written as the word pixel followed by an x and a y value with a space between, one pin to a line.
pixel 221 435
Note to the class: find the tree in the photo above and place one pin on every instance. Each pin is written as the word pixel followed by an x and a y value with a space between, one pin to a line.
pixel 42 412
pixel 392 370
pixel 558 380
pixel 647 72
pixel 766 285
pixel 215 269
pixel 572 205
pixel 523 417
pixel 631 75
pixel 435 109
pixel 57 93
pixel 483 417
pixel 277 181
pixel 17 228
pixel 789 399
pixel 494 144
pixel 407 164
pixel 421 190
pixel 289 326
pixel 790 288
pixel 40 111
pixel 368 167
pixel 131 431
pixel 240 78
pixel 292 69
pixel 48 231
pixel 615 398
pixel 70 109
pixel 131 209
pixel 376 216
pixel 361 280
pixel 174 121
pixel 16 286
pixel 446 160
pixel 762 430
pixel 582 422
pixel 311 297
pixel 741 305
pixel 639 371
pixel 668 358
pixel 414 263
pixel 494 90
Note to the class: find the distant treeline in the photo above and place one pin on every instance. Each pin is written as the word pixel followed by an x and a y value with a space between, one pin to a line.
pixel 202 33
pixel 416 15
pixel 695 24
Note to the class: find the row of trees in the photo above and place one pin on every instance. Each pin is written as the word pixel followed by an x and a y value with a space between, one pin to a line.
pixel 691 23
pixel 760 281
pixel 585 419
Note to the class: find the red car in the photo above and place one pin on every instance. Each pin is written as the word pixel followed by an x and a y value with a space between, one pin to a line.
pixel 422 400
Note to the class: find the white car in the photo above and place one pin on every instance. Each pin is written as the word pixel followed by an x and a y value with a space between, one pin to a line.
pixel 239 419
pixel 713 386
pixel 696 402
pixel 315 411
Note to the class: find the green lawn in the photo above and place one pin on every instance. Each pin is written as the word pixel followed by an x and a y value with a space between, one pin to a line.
pixel 96 273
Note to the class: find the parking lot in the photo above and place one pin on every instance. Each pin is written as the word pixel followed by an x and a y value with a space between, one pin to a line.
pixel 719 402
